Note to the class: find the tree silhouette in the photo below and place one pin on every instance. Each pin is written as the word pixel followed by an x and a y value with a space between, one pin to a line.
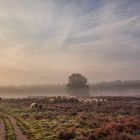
pixel 77 85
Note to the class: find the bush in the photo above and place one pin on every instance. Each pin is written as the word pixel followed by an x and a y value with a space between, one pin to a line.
pixel 66 134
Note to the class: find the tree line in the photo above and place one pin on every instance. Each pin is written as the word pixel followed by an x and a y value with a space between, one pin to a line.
pixel 77 85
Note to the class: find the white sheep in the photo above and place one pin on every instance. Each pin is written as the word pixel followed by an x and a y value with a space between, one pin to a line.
pixel 81 100
pixel 37 107
pixel 51 101
pixel 95 100
pixel 33 106
pixel 87 101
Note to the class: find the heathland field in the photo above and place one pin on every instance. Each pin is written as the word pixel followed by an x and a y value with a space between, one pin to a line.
pixel 98 118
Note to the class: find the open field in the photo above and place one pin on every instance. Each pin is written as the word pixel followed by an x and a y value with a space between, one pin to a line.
pixel 116 119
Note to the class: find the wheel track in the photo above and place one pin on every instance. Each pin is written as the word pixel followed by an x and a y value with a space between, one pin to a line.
pixel 17 130
pixel 2 130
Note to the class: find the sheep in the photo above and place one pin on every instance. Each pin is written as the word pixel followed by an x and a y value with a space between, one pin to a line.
pixel 80 100
pixel 87 101
pixel 37 107
pixel 95 100
pixel 51 100
pixel 100 100
pixel 105 100
pixel 33 106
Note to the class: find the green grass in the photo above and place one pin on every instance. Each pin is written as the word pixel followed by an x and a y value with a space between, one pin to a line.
pixel 10 135
pixel 32 130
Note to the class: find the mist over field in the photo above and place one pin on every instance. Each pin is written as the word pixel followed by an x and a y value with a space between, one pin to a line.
pixel 43 94
pixel 113 88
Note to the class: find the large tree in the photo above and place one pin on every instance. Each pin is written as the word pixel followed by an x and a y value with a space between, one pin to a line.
pixel 77 85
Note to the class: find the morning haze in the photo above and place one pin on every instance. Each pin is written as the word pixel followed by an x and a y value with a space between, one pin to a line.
pixel 46 41
pixel 69 69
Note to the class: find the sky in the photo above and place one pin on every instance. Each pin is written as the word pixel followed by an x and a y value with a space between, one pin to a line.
pixel 45 41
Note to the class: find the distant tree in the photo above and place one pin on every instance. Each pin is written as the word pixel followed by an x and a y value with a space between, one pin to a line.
pixel 77 85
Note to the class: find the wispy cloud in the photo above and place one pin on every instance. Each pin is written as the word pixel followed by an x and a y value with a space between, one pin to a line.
pixel 40 38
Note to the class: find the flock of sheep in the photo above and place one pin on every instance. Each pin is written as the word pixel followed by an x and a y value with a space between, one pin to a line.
pixel 52 100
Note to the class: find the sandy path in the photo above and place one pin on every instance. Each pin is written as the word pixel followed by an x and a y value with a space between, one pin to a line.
pixel 2 130
pixel 17 130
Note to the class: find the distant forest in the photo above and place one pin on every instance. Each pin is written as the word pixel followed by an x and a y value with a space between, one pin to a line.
pixel 116 85
pixel 113 85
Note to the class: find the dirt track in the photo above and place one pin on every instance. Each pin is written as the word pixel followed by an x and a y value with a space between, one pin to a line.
pixel 17 130
pixel 2 130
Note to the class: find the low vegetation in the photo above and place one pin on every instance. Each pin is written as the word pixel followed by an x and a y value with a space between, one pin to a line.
pixel 117 118
pixel 10 135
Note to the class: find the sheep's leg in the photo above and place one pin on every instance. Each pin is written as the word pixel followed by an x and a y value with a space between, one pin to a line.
pixel 30 112
pixel 36 110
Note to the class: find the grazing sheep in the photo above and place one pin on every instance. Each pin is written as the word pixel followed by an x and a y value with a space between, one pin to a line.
pixel 87 101
pixel 33 106
pixel 81 100
pixel 91 100
pixel 105 100
pixel 51 101
pixel 100 100
pixel 95 100
pixel 37 107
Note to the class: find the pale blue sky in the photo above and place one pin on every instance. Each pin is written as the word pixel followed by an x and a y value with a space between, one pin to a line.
pixel 44 41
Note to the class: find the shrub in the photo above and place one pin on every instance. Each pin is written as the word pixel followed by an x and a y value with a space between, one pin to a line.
pixel 66 134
